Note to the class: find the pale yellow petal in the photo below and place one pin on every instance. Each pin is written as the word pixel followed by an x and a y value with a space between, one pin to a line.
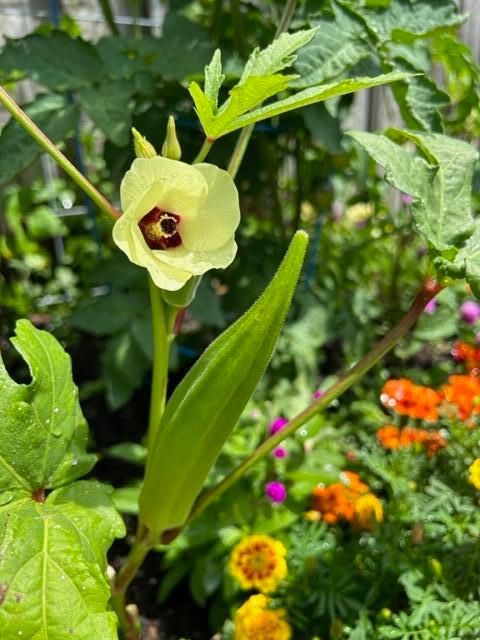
pixel 199 262
pixel 217 217
pixel 183 187
pixel 128 237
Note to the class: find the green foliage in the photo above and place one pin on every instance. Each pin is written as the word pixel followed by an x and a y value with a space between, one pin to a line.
pixel 217 388
pixel 440 182
pixel 43 420
pixel 260 81
pixel 53 547
pixel 43 58
pixel 53 114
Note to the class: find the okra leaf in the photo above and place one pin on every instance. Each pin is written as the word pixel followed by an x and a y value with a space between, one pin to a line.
pixel 53 114
pixel 260 80
pixel 340 42
pixel 466 263
pixel 208 402
pixel 215 128
pixel 244 97
pixel 43 59
pixel 43 434
pixel 52 565
pixel 440 182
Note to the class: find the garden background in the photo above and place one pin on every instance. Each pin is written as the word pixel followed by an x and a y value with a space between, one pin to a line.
pixel 370 510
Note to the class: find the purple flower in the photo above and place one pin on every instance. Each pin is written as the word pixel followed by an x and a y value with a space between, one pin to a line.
pixel 319 393
pixel 407 199
pixel 431 306
pixel 277 425
pixel 470 312
pixel 276 491
pixel 280 452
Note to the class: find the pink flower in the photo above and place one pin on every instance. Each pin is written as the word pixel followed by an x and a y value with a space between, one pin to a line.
pixel 277 425
pixel 407 199
pixel 470 312
pixel 276 492
pixel 431 306
pixel 280 452
pixel 318 394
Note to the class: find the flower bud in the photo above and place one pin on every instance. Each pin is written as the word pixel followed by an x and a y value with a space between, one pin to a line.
pixel 171 147
pixel 143 148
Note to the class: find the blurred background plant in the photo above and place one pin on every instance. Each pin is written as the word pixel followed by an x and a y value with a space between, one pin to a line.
pixel 87 81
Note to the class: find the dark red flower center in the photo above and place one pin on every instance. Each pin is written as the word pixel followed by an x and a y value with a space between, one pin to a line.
pixel 159 228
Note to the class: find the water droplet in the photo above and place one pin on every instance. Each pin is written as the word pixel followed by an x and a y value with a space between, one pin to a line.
pixel 62 577
pixel 303 432
pixel 20 633
pixel 6 497
pixel 56 410
pixel 74 462
pixel 57 431
pixel 47 420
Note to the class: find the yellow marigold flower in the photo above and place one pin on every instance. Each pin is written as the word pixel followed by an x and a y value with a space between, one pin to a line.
pixel 178 220
pixel 254 621
pixel 368 511
pixel 474 473
pixel 258 562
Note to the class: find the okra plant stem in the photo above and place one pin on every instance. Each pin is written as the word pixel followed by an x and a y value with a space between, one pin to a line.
pixel 129 623
pixel 246 133
pixel 161 351
pixel 203 153
pixel 47 145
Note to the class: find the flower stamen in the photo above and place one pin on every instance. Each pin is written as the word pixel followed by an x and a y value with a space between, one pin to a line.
pixel 159 229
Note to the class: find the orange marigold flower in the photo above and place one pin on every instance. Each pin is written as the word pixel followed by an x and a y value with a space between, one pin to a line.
pixel 474 473
pixel 407 398
pixel 258 562
pixel 389 437
pixel 368 511
pixel 255 621
pixel 468 353
pixel 464 393
pixel 337 501
pixel 393 438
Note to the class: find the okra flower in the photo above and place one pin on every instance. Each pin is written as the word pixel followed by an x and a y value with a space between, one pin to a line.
pixel 178 220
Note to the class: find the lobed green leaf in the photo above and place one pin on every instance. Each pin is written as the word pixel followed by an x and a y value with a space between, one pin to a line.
pixel 52 565
pixel 441 184
pixel 43 58
pixel 43 434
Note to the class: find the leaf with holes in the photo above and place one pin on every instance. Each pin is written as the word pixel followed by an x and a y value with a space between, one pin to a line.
pixel 43 434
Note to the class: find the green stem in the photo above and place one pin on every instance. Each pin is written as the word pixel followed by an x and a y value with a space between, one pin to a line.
pixel 203 153
pixel 31 128
pixel 107 13
pixel 130 623
pixel 161 349
pixel 246 133
pixel 429 290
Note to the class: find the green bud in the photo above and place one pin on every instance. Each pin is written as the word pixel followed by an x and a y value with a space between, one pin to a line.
pixel 143 148
pixel 171 147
